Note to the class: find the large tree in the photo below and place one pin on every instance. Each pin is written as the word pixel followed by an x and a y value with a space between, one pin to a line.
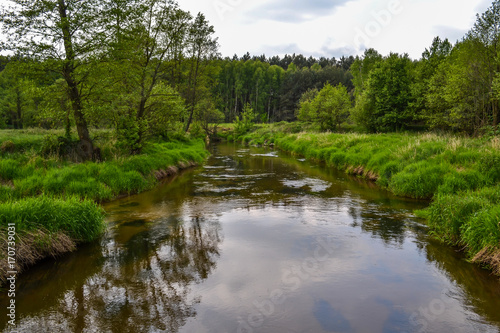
pixel 63 34
pixel 384 105
pixel 202 49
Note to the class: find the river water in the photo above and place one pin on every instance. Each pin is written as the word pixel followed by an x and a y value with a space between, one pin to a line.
pixel 259 241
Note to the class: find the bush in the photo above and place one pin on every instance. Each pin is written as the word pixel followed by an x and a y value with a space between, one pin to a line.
pixel 8 147
pixel 245 123
pixel 57 145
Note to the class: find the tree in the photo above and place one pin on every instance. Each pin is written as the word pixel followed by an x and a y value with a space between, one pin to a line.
pixel 64 35
pixel 461 95
pixel 425 69
pixel 15 97
pixel 331 106
pixel 209 117
pixel 202 49
pixel 306 112
pixel 361 69
pixel 244 123
pixel 142 49
pixel 384 105
pixel 485 35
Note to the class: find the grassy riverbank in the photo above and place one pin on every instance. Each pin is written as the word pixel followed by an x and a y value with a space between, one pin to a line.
pixel 460 175
pixel 53 203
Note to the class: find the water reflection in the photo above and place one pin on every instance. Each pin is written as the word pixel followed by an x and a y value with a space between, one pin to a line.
pixel 139 281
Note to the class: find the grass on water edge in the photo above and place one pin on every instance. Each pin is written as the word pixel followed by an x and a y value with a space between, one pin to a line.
pixel 460 175
pixel 53 203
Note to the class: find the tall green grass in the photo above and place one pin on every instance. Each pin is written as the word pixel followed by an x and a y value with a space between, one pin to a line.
pixel 82 220
pixel 411 165
pixel 96 181
pixel 470 220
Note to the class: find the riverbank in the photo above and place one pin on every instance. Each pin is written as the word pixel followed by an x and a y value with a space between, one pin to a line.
pixel 54 203
pixel 460 175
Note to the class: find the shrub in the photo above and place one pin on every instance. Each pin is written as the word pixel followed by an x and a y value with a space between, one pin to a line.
pixel 245 123
pixel 8 147
pixel 56 145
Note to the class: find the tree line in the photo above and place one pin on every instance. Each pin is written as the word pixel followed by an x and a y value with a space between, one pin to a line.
pixel 147 68
pixel 451 88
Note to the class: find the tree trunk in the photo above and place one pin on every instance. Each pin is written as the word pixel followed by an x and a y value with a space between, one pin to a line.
pixel 19 110
pixel 193 96
pixel 495 113
pixel 86 147
pixel 140 115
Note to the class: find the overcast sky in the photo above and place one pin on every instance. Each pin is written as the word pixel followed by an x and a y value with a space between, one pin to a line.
pixel 333 28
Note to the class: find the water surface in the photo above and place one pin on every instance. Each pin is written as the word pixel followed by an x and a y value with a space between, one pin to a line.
pixel 258 241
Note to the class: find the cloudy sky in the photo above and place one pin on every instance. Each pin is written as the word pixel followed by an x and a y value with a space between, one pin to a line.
pixel 335 27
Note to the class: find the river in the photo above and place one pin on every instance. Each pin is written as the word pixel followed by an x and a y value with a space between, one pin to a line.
pixel 259 241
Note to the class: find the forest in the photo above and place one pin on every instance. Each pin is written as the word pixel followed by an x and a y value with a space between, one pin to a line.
pixel 149 68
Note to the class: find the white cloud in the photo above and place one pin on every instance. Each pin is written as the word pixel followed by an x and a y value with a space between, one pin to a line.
pixel 296 10
pixel 332 28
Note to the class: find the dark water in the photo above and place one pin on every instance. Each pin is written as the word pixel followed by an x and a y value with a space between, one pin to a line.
pixel 256 241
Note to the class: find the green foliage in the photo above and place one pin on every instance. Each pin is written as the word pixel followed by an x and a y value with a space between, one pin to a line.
pixel 332 106
pixel 208 118
pixel 9 169
pixel 273 92
pixel 56 145
pixel 244 123
pixel 361 69
pixel 98 181
pixel 18 94
pixel 467 218
pixel 306 112
pixel 327 108
pixel 451 88
pixel 385 105
pixel 128 134
pixel 52 194
pixel 418 166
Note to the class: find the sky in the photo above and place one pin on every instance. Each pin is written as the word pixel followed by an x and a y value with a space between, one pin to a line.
pixel 335 28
